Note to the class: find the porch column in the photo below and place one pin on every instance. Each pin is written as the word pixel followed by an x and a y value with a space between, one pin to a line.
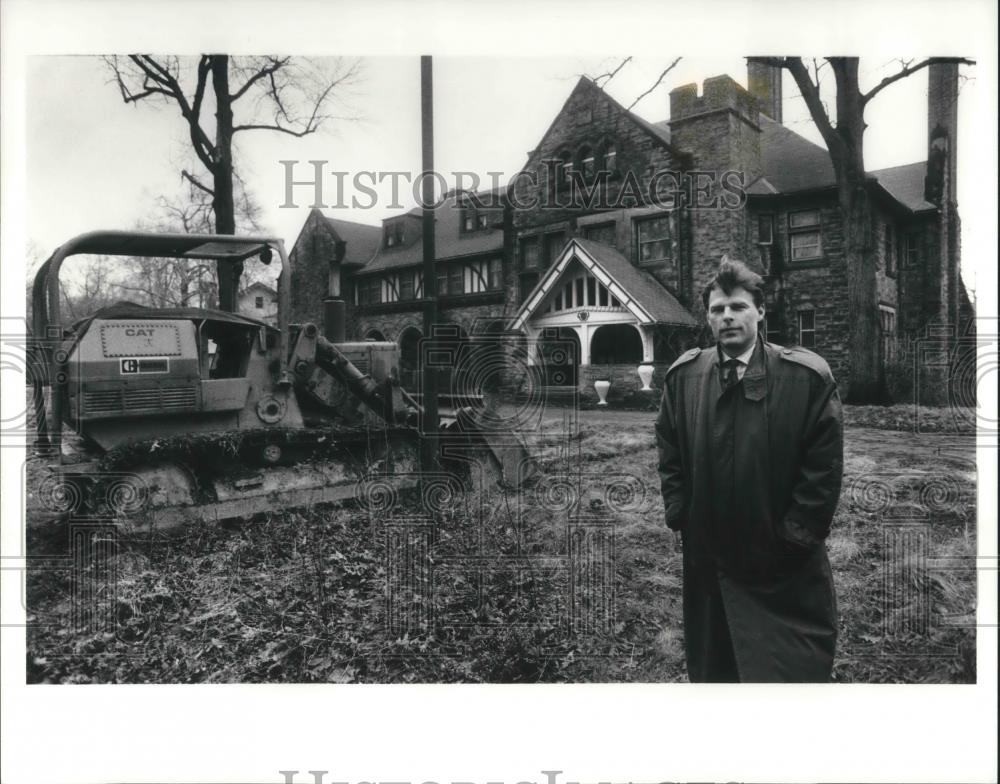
pixel 532 344
pixel 583 332
pixel 646 331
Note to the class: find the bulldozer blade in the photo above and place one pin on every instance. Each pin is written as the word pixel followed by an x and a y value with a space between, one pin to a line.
pixel 515 463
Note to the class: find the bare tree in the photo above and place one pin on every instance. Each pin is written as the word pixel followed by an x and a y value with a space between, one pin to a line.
pixel 293 96
pixel 161 282
pixel 96 287
pixel 844 136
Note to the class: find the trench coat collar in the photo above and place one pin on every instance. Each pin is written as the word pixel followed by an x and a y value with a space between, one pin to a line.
pixel 754 377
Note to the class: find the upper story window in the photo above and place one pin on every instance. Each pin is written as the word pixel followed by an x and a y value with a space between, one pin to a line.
pixel 529 253
pixel 911 255
pixel 473 219
pixel 765 229
pixel 471 277
pixel 369 290
pixel 610 162
pixel 805 235
pixel 558 171
pixel 653 239
pixel 890 250
pixel 587 165
pixel 496 274
pixel 258 302
pixel 807 328
pixel 407 288
pixel 456 280
pixel 394 234
pixel 567 167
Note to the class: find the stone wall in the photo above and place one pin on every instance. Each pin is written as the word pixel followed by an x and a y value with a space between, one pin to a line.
pixel 818 285
pixel 591 118
pixel 310 259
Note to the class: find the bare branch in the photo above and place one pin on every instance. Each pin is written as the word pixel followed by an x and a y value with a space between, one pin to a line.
pixel 611 74
pixel 810 94
pixel 276 64
pixel 296 109
pixel 667 70
pixel 909 69
pixel 194 181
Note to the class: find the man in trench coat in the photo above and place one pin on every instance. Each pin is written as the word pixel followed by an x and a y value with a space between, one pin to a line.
pixel 750 444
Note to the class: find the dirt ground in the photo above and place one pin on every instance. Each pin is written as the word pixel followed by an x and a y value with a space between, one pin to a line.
pixel 576 579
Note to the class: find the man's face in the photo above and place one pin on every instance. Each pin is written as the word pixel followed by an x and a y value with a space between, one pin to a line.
pixel 733 318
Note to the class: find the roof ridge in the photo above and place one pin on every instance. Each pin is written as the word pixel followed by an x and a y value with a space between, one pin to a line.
pixel 352 222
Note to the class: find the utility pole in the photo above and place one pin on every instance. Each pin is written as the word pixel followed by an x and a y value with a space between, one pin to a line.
pixel 429 426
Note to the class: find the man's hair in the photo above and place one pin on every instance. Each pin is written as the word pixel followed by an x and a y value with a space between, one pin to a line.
pixel 734 274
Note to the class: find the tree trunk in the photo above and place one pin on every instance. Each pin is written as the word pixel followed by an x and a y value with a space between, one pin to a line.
pixel 867 378
pixel 866 385
pixel 222 180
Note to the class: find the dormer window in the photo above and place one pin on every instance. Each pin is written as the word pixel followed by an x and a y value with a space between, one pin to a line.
pixel 473 219
pixel 468 216
pixel 394 234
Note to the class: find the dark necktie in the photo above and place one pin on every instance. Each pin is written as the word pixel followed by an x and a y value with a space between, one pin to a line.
pixel 729 375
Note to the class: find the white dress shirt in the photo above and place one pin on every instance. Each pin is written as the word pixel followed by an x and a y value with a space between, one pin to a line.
pixel 742 361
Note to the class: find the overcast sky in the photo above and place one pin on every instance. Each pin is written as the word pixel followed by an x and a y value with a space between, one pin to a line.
pixel 95 162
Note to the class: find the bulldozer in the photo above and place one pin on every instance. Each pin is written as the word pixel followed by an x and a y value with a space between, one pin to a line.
pixel 167 416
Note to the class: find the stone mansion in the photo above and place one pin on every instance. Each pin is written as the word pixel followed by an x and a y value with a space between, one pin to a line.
pixel 595 263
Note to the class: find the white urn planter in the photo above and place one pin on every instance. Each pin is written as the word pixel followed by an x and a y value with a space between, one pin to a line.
pixel 602 386
pixel 645 376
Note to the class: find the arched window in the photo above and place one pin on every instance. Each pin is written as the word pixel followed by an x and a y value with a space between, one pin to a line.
pixel 586 158
pixel 560 169
pixel 610 157
pixel 374 334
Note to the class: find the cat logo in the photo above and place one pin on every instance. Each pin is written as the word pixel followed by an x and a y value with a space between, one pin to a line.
pixel 130 366
pixel 137 332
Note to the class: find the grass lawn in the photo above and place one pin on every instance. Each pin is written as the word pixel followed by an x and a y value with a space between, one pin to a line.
pixel 503 587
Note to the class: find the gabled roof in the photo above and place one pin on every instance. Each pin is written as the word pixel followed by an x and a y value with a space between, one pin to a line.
pixel 659 131
pixel 636 289
pixel 257 285
pixel 906 184
pixel 450 242
pixel 792 163
pixel 362 240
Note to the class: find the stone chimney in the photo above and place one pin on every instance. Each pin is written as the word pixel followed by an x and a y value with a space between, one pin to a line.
pixel 720 131
pixel 942 132
pixel 764 81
